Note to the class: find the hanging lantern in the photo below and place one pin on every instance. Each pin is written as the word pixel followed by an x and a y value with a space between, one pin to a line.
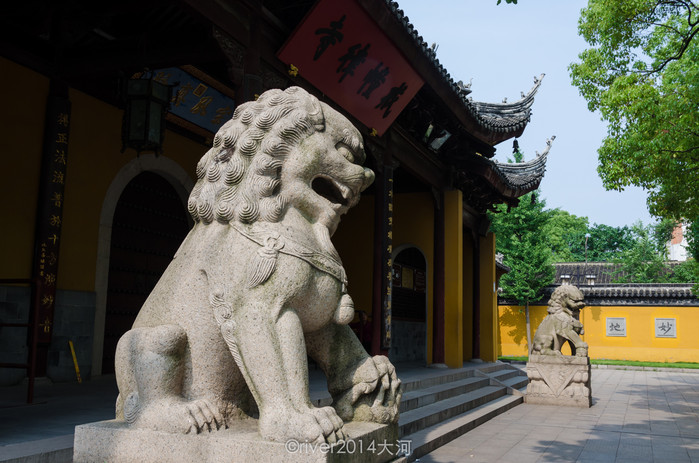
pixel 143 127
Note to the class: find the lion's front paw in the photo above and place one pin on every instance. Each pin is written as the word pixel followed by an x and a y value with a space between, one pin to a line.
pixel 179 416
pixel 375 396
pixel 203 416
pixel 316 425
pixel 332 424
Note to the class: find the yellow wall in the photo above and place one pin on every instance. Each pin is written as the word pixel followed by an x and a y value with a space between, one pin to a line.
pixel 453 278
pixel 94 159
pixel 413 225
pixel 640 342
pixel 354 241
pixel 512 333
pixel 22 125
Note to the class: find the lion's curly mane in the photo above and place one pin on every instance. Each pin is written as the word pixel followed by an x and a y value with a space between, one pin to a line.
pixel 238 179
pixel 560 296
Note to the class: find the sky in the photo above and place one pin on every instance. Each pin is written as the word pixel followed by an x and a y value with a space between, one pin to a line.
pixel 499 49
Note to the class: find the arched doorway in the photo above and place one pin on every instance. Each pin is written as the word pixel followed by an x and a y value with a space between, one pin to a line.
pixel 409 307
pixel 149 225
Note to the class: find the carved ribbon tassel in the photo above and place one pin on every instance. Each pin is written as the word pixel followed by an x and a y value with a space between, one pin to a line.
pixel 345 310
pixel 265 263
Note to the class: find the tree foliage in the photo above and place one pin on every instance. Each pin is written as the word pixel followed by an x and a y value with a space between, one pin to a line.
pixel 566 234
pixel 519 238
pixel 643 262
pixel 693 239
pixel 642 74
pixel 563 231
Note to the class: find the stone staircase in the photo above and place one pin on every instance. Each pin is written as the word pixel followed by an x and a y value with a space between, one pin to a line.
pixel 438 409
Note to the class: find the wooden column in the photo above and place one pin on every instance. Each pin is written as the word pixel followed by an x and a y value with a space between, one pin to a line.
pixel 252 77
pixel 383 248
pixel 438 280
pixel 49 217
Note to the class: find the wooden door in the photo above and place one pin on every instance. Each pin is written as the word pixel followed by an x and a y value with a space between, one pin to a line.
pixel 149 225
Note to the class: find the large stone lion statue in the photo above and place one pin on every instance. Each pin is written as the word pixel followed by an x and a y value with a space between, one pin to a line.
pixel 257 285
pixel 561 324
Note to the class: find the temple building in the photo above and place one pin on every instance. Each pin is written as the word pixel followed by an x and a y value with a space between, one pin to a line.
pixel 113 104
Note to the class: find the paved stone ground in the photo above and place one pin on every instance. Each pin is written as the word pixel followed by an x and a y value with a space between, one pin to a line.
pixel 636 417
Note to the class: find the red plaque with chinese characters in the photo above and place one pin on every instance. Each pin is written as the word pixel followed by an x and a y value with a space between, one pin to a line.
pixel 343 52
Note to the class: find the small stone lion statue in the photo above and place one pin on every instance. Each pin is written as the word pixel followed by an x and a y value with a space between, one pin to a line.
pixel 561 324
pixel 257 285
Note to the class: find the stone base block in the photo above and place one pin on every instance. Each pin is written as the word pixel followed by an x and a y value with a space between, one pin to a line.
pixel 559 380
pixel 115 442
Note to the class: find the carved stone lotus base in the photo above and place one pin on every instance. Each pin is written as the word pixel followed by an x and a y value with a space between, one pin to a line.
pixel 114 442
pixel 559 380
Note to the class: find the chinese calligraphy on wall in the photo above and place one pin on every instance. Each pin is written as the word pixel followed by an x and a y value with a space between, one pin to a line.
pixel 387 180
pixel 616 326
pixel 342 51
pixel 665 328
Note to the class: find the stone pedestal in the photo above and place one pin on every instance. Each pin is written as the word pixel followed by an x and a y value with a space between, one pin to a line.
pixel 114 442
pixel 559 380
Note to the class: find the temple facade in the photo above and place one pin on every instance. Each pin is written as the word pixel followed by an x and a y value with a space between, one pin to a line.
pixel 113 105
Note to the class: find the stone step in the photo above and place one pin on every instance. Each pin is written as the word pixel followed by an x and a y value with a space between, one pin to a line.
pixel 517 382
pixel 505 374
pixel 422 397
pixel 426 440
pixel 321 398
pixel 420 418
pixel 494 367
pixel 438 377
pixel 57 449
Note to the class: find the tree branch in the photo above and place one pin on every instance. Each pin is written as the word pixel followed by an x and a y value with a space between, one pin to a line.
pixel 685 44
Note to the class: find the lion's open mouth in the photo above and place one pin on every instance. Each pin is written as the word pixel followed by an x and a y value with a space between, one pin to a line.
pixel 331 190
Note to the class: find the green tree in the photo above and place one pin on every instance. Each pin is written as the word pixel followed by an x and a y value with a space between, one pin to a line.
pixel 604 244
pixel 566 234
pixel 642 74
pixel 643 263
pixel 693 239
pixel 563 230
pixel 662 232
pixel 518 234
pixel 688 271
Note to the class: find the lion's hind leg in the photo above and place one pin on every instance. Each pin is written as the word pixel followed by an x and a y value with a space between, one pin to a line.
pixel 150 372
